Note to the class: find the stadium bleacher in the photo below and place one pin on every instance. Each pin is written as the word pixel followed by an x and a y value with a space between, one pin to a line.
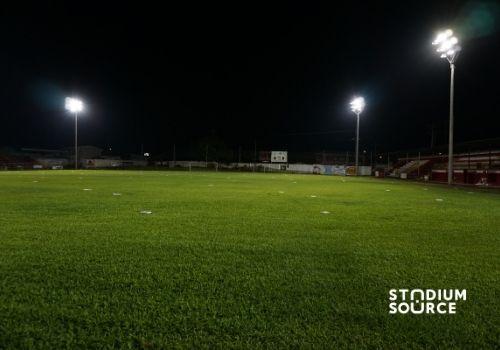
pixel 474 168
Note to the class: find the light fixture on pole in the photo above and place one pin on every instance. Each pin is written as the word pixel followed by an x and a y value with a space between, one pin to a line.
pixel 447 46
pixel 75 106
pixel 357 106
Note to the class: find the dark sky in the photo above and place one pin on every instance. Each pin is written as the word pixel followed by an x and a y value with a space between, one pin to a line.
pixel 278 73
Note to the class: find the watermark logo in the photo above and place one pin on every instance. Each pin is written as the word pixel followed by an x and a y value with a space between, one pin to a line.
pixel 425 301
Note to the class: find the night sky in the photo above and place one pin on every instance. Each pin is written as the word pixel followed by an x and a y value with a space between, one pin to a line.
pixel 277 74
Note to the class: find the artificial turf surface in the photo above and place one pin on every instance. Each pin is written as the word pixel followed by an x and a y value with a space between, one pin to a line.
pixel 240 260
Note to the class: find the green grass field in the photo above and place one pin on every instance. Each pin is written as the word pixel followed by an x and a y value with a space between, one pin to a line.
pixel 240 260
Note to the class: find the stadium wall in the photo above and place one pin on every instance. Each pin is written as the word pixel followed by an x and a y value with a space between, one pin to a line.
pixel 273 167
pixel 112 163
pixel 52 162
pixel 469 177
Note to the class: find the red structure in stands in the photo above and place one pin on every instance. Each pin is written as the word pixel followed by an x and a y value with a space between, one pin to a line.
pixel 473 168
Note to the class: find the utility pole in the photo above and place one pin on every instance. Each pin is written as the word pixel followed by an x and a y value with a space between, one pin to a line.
pixel 433 137
pixel 418 169
pixel 206 156
pixel 173 156
pixel 255 151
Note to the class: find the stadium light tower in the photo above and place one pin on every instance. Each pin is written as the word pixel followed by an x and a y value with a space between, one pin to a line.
pixel 75 106
pixel 357 106
pixel 447 46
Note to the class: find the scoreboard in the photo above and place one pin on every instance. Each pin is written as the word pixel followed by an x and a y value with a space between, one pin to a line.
pixel 279 157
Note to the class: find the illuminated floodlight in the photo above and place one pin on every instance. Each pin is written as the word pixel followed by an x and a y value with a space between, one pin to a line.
pixel 73 105
pixel 448 48
pixel 357 105
pixel 447 45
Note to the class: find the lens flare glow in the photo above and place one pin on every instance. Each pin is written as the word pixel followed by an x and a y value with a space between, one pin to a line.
pixel 357 105
pixel 447 45
pixel 73 105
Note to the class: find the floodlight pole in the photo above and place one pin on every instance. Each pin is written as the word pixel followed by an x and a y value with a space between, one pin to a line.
pixel 450 138
pixel 74 106
pixel 357 142
pixel 448 48
pixel 76 141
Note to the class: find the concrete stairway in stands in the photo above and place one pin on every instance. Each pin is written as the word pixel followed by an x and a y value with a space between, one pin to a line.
pixel 410 167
